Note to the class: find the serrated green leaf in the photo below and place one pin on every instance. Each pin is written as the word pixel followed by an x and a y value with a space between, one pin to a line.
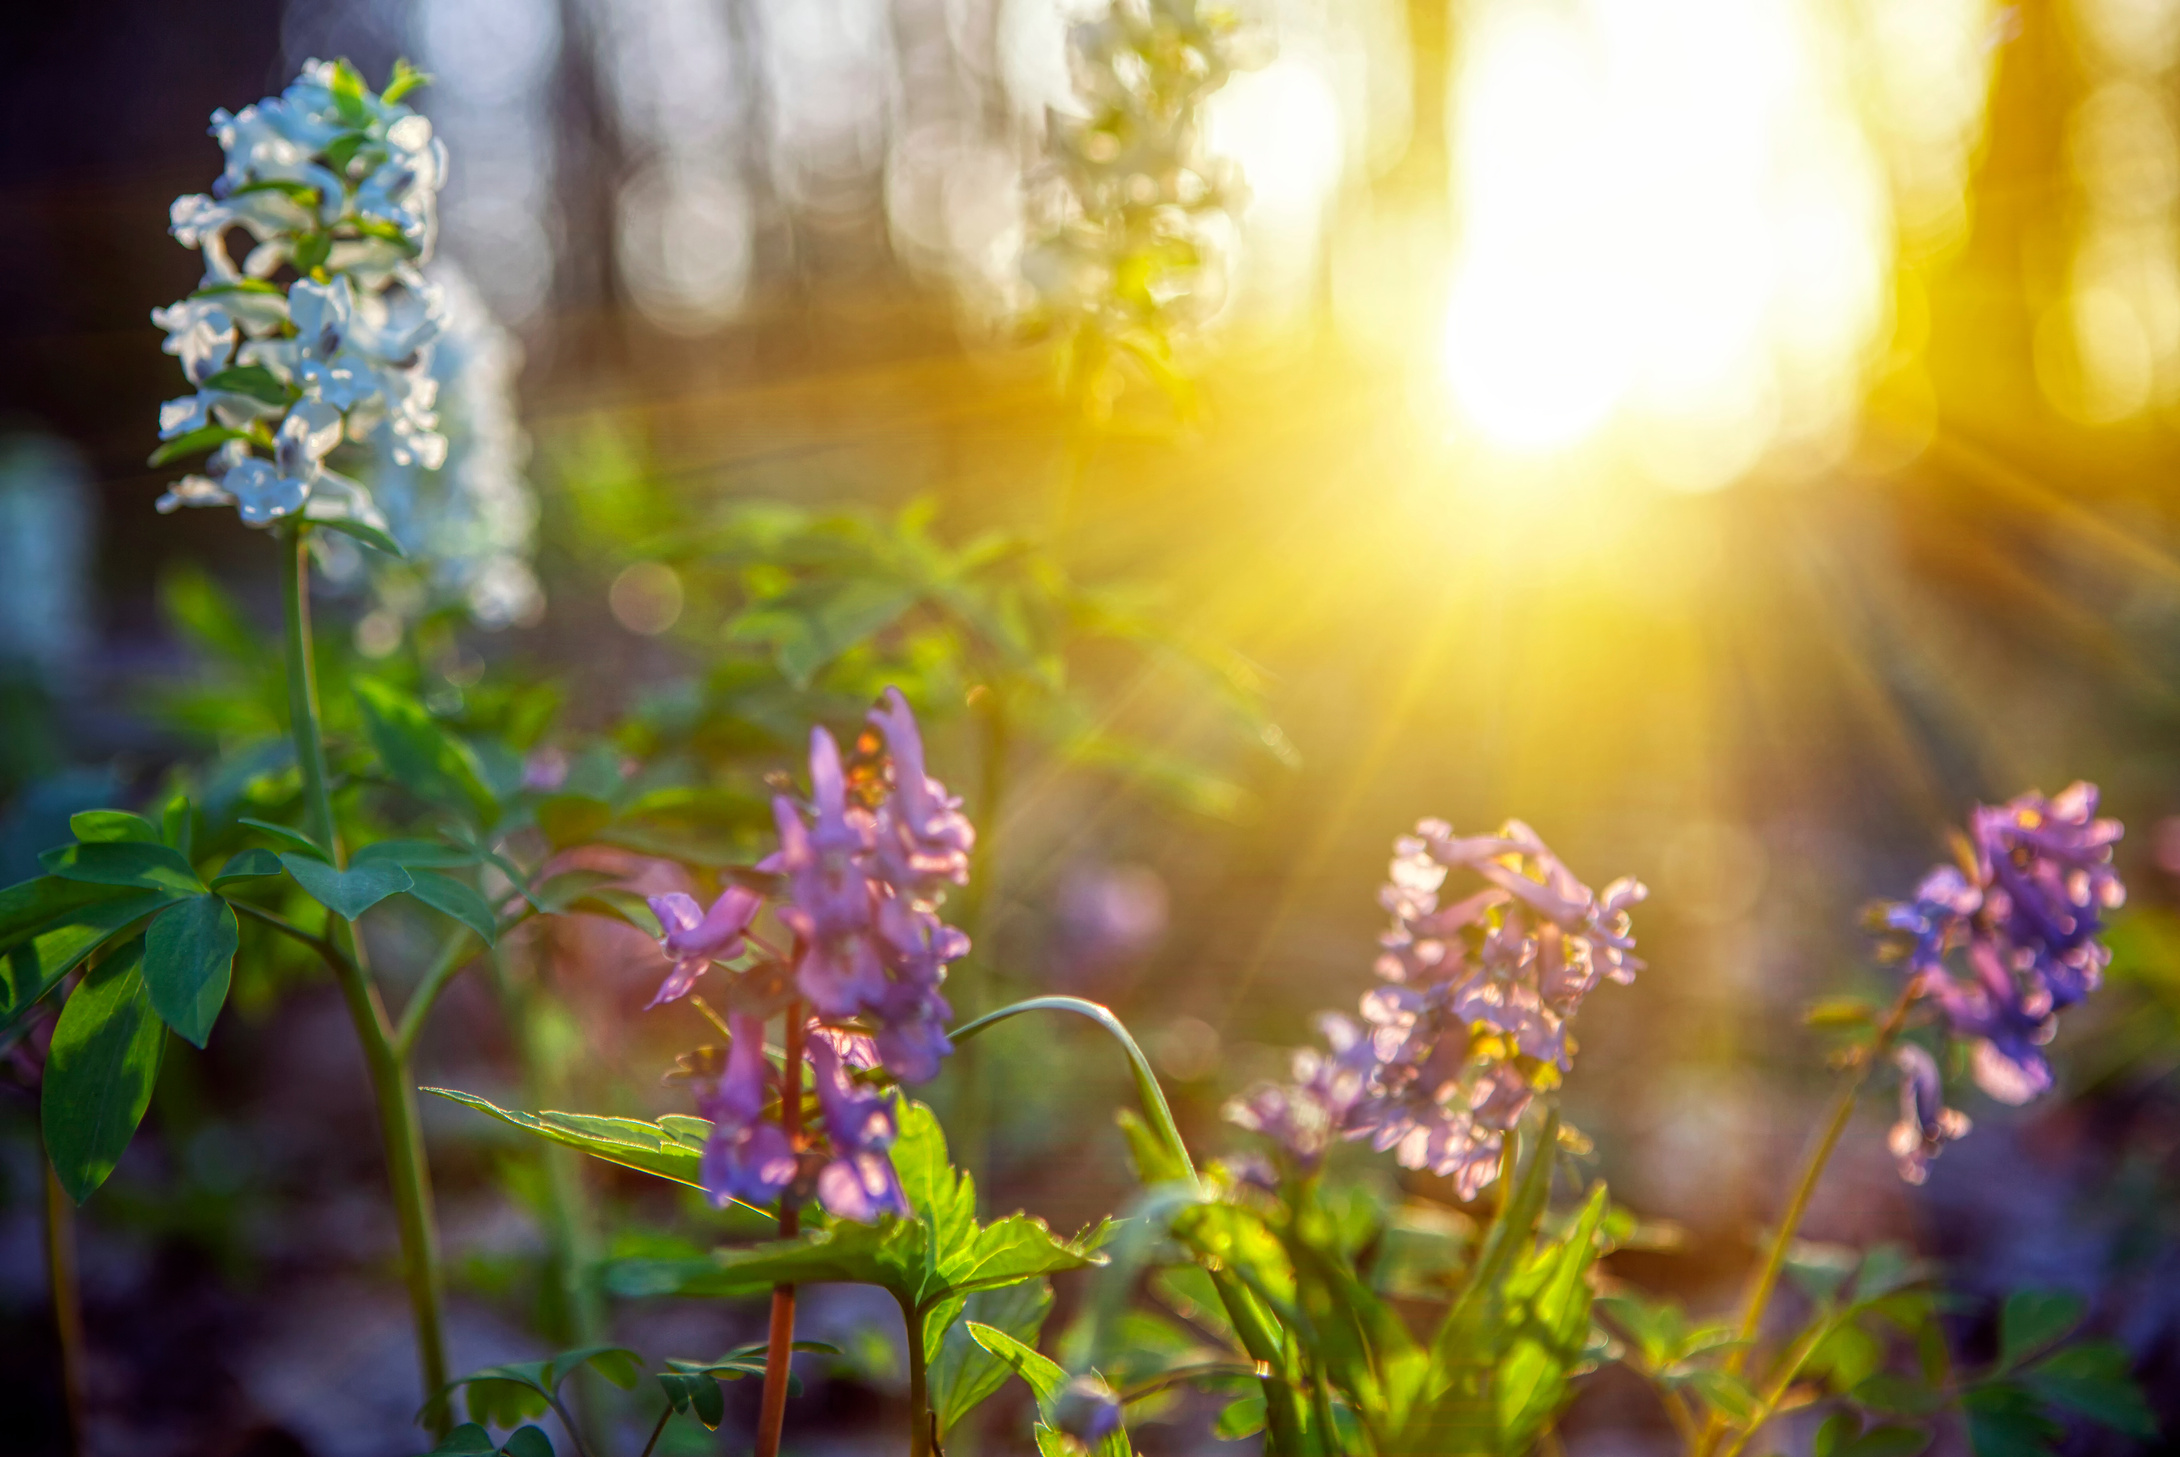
pixel 1551 1297
pixel 2093 1378
pixel 2032 1319
pixel 103 825
pixel 671 1151
pixel 38 958
pixel 347 893
pixel 1044 1375
pixel 420 754
pixel 189 957
pixel 451 897
pixel 124 862
pixel 963 1373
pixel 100 1072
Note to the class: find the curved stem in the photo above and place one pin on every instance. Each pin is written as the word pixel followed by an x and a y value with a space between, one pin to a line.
pixel 418 1007
pixel 664 1417
pixel 1766 1278
pixel 1147 1090
pixel 1259 1335
pixel 333 955
pixel 780 1337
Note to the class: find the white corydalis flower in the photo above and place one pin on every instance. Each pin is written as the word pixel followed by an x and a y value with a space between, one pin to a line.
pixel 340 186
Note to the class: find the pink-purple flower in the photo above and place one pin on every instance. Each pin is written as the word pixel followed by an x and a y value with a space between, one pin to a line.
pixel 864 866
pixel 1473 1019
pixel 2001 944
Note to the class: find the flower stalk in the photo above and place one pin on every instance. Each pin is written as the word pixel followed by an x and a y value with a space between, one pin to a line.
pixel 385 1052
pixel 780 1337
pixel 1766 1278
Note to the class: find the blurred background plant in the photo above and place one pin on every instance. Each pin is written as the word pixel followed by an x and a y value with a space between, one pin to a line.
pixel 1734 440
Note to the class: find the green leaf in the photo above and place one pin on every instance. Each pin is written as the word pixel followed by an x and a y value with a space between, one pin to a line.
pixel 348 93
pixel 2006 1420
pixel 445 894
pixel 572 819
pixel 696 1396
pixel 1834 1013
pixel 99 1075
pixel 1155 1161
pixel 673 1151
pixel 559 894
pixel 189 956
pixel 177 824
pixel 347 893
pixel 1896 1396
pixel 254 380
pixel 209 437
pixel 415 854
pixel 38 957
pixel 963 1373
pixel 1551 1300
pixel 362 531
pixel 812 625
pixel 406 78
pixel 1840 1426
pixel 423 756
pixel 100 825
pixel 1241 1417
pixel 466 1440
pixel 250 864
pixel 1727 1394
pixel 293 839
pixel 528 1441
pixel 124 862
pixel 1889 1441
pixel 1044 1375
pixel 2033 1319
pixel 1885 1268
pixel 1850 1355
pixel 31 905
pixel 2093 1379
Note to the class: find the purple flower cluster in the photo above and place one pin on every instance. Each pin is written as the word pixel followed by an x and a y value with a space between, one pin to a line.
pixel 866 866
pixel 844 1164
pixel 2001 944
pixel 1472 1021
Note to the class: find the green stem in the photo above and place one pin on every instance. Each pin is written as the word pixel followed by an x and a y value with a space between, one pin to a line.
pixel 452 958
pixel 921 1436
pixel 303 688
pixel 1147 1090
pixel 664 1417
pixel 400 1128
pixel 1766 1279
pixel 1258 1335
pixel 60 1266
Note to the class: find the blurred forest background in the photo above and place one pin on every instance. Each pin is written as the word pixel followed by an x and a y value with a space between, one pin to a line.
pixel 1731 435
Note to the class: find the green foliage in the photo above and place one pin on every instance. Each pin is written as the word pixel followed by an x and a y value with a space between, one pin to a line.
pixel 503 1396
pixel 672 1148
pixel 472 1440
pixel 963 1371
pixel 99 1076
pixel 347 893
pixel 940 1252
pixel 422 756
pixel 49 926
pixel 189 957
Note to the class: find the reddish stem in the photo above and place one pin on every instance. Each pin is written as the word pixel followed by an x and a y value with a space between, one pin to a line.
pixel 780 1339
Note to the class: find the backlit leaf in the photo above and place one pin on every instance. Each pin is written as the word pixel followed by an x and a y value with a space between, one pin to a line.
pixel 189 957
pixel 347 893
pixel 99 1075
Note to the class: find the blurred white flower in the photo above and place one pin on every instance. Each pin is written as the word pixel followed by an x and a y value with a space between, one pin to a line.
pixel 341 186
